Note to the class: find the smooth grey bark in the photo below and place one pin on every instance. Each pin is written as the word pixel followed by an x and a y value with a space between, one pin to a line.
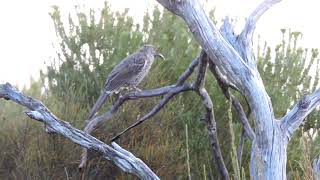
pixel 233 56
pixel 119 156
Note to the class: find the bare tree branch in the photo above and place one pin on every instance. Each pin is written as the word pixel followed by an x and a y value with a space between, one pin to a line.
pixel 244 40
pixel 212 130
pixel 222 54
pixel 251 22
pixel 170 91
pixel 240 148
pixel 209 115
pixel 188 71
pixel 242 138
pixel 242 43
pixel 294 118
pixel 94 123
pixel 97 120
pixel 157 107
pixel 235 59
pixel 227 31
pixel 120 157
pixel 202 70
pixel 224 85
pixel 209 118
pixel 206 33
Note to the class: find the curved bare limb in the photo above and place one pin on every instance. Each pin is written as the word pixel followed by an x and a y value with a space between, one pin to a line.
pixel 251 22
pixel 120 157
pixel 294 118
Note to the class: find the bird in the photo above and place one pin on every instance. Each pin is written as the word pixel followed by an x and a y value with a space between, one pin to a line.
pixel 127 74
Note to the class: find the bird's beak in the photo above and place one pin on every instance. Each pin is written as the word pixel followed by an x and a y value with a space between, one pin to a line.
pixel 161 56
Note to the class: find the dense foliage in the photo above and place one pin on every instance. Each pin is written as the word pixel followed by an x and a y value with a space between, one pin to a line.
pixel 90 45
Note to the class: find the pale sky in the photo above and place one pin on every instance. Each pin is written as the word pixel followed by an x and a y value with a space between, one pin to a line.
pixel 27 33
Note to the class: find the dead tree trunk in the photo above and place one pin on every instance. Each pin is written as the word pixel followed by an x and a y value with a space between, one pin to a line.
pixel 233 56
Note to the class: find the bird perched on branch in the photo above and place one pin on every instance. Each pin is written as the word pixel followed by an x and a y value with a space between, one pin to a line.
pixel 127 74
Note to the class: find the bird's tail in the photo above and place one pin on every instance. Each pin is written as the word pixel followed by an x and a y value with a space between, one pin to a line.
pixel 96 107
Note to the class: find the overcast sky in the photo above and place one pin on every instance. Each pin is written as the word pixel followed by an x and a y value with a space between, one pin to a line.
pixel 27 34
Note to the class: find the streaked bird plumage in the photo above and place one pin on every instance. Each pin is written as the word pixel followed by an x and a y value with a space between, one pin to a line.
pixel 128 73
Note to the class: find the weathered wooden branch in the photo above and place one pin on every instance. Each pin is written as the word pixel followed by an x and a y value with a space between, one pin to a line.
pixel 242 43
pixel 242 138
pixel 157 107
pixel 224 86
pixel 247 32
pixel 210 39
pixel 180 87
pixel 120 157
pixel 240 148
pixel 226 58
pixel 209 115
pixel 168 91
pixel 294 118
pixel 94 123
pixel 233 56
pixel 197 86
pixel 98 120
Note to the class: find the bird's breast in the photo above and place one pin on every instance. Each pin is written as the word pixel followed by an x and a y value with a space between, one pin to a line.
pixel 145 70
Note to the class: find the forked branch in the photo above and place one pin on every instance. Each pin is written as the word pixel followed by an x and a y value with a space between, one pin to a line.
pixel 179 87
pixel 209 115
pixel 168 91
pixel 157 107
pixel 120 157
pixel 251 22
pixel 197 86
pixel 224 86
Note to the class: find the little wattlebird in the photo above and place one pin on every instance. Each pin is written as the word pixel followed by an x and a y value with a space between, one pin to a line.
pixel 127 74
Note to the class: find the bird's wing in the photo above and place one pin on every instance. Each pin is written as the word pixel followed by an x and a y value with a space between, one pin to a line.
pixel 125 72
